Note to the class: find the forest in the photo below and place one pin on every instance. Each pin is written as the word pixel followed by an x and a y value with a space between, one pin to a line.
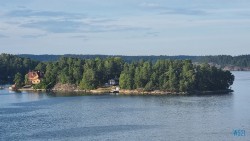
pixel 162 74
pixel 11 65
pixel 223 60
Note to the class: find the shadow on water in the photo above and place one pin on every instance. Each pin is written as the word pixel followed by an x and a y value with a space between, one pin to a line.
pixel 71 94
pixel 212 94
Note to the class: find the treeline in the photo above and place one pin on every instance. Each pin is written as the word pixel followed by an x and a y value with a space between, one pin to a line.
pixel 87 74
pixel 11 65
pixel 223 60
pixel 174 76
pixel 165 75
pixel 226 60
pixel 48 58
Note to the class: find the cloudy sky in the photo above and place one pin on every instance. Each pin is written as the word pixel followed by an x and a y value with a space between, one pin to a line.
pixel 125 27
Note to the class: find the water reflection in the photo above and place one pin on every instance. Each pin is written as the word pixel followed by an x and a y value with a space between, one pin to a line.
pixel 68 94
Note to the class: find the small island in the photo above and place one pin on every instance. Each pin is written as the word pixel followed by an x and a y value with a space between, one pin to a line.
pixel 113 74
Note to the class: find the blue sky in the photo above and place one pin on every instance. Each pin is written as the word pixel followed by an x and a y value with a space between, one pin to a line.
pixel 125 27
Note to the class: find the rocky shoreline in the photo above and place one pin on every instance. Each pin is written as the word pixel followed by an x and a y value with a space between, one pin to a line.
pixel 73 88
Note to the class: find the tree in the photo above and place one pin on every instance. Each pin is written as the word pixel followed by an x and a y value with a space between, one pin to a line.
pixel 166 75
pixel 138 80
pixel 173 81
pixel 149 86
pixel 18 80
pixel 26 79
pixel 89 80
pixel 11 65
pixel 41 67
pixel 126 77
pixel 50 76
pixel 187 77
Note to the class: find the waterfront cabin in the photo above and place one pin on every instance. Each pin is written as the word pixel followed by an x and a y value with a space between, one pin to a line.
pixel 113 82
pixel 35 77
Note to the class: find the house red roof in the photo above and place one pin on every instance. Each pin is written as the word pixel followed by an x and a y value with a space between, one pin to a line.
pixel 33 75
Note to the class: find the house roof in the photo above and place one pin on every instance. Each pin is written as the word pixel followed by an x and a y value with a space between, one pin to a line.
pixel 33 75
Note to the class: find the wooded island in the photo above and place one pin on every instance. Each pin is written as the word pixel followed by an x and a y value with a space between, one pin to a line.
pixel 177 76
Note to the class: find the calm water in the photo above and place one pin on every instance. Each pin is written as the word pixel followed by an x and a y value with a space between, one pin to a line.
pixel 32 116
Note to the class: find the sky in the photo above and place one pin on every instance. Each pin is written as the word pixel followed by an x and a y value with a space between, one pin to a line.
pixel 125 27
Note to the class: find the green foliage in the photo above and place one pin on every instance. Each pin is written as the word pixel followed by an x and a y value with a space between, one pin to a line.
pixel 187 76
pixel 223 60
pixel 149 86
pixel 89 80
pixel 126 78
pixel 43 85
pixel 165 75
pixel 41 67
pixel 18 80
pixel 26 80
pixel 174 76
pixel 211 78
pixel 11 65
